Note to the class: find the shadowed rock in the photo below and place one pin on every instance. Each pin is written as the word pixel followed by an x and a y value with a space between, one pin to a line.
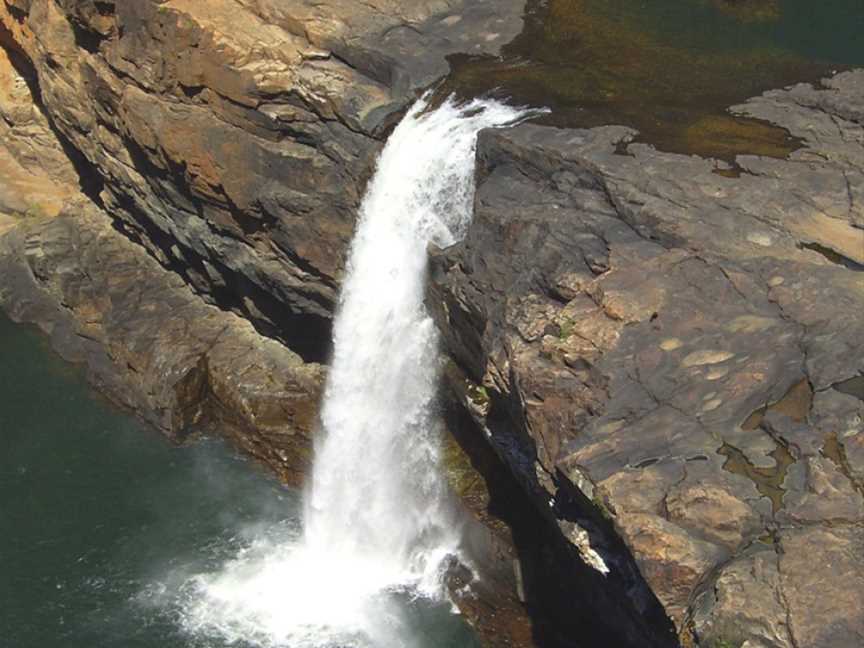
pixel 233 138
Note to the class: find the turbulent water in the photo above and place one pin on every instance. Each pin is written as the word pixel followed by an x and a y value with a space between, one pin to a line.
pixel 377 524
pixel 110 520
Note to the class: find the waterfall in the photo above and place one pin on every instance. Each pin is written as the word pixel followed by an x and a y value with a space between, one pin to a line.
pixel 376 489
pixel 377 524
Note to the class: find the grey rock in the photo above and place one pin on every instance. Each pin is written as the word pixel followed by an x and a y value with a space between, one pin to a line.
pixel 674 337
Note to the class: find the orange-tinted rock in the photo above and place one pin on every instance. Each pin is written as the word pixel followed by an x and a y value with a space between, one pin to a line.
pixel 233 139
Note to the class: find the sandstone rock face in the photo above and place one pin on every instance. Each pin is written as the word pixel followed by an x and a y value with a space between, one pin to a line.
pixel 37 177
pixel 148 342
pixel 153 346
pixel 232 138
pixel 677 345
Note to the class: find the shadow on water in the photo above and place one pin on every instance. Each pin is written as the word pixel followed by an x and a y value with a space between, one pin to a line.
pixel 668 68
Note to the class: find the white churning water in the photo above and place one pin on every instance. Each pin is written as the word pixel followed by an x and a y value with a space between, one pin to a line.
pixel 377 524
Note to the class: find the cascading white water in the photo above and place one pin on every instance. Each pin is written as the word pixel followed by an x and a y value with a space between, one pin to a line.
pixel 377 519
pixel 376 489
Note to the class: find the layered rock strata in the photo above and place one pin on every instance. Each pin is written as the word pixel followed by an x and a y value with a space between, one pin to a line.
pixel 232 138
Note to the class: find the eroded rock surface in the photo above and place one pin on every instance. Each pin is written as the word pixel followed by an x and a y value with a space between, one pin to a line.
pixel 148 342
pixel 232 138
pixel 664 341
pixel 36 176
pixel 153 346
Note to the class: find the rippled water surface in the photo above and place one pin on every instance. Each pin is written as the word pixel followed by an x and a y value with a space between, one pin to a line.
pixel 104 524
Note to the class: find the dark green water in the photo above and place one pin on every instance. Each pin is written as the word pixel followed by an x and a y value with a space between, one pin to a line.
pixel 830 31
pixel 101 518
pixel 668 68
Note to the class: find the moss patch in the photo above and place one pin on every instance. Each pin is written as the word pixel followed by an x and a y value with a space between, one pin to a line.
pixel 725 643
pixel 477 394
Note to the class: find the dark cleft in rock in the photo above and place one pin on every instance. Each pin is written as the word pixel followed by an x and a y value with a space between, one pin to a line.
pixel 663 361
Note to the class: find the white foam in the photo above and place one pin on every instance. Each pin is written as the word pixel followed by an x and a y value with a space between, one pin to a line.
pixel 377 518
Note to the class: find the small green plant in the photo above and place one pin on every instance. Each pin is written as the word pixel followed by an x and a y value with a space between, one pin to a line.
pixel 603 509
pixel 477 393
pixel 725 643
pixel 565 329
pixel 34 210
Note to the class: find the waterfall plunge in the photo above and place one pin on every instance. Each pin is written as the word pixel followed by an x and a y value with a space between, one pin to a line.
pixel 376 490
pixel 377 520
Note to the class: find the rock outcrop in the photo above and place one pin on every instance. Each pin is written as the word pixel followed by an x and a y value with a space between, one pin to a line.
pixel 656 359
pixel 147 341
pixel 674 347
pixel 153 346
pixel 232 138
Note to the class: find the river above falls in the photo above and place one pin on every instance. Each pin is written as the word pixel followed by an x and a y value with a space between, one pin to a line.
pixel 668 68
pixel 103 521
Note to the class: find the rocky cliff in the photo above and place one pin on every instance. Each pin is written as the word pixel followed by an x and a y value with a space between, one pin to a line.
pixel 178 185
pixel 232 138
pixel 656 360
pixel 670 355
pixel 230 141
